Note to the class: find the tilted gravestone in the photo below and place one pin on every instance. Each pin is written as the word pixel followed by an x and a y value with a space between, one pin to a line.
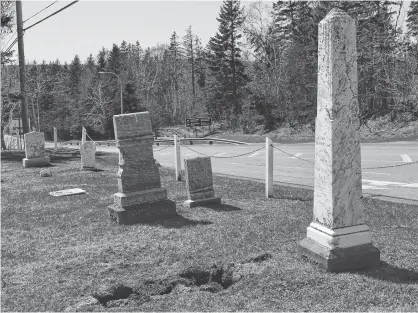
pixel 140 196
pixel 338 238
pixel 35 150
pixel 88 155
pixel 199 182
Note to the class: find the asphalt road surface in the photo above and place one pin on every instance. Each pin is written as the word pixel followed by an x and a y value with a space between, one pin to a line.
pixel 390 183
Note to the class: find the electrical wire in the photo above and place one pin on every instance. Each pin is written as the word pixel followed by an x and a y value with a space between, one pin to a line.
pixel 74 2
pixel 40 11
pixel 11 46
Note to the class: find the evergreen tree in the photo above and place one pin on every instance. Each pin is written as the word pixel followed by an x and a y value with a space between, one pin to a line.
pixel 412 19
pixel 190 51
pixel 224 58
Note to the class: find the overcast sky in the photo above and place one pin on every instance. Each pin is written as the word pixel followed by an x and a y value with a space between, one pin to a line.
pixel 87 26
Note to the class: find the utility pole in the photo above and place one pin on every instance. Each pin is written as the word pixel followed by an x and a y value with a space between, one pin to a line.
pixel 22 76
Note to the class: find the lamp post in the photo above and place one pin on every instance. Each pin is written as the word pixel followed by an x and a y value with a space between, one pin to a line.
pixel 120 83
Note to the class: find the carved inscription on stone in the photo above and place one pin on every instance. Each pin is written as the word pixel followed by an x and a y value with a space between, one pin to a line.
pixel 88 154
pixel 34 145
pixel 199 180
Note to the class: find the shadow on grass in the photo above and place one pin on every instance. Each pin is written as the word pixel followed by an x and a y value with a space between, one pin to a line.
pixel 222 207
pixel 177 221
pixel 387 272
pixel 13 156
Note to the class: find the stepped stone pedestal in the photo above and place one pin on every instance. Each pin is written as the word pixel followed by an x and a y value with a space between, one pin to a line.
pixel 35 150
pixel 338 238
pixel 140 197
pixel 199 182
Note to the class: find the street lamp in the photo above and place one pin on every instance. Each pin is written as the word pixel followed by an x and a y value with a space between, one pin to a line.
pixel 120 83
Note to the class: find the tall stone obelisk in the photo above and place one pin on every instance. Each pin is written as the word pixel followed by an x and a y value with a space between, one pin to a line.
pixel 338 238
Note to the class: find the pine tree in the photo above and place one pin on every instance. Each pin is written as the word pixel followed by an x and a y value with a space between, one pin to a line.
pixel 175 56
pixel 412 19
pixel 190 51
pixel 224 57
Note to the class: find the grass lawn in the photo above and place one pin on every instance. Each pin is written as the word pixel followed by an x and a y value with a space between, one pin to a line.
pixel 239 256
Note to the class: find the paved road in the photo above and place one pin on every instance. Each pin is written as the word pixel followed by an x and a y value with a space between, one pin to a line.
pixel 392 183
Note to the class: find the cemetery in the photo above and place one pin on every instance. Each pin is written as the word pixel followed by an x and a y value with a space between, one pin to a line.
pixel 89 231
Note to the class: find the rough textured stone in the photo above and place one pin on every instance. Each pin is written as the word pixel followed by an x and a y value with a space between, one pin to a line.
pixel 35 150
pixel 341 259
pixel 337 147
pixel 46 173
pixel 36 162
pixel 88 155
pixel 140 197
pixel 199 182
pixel 338 217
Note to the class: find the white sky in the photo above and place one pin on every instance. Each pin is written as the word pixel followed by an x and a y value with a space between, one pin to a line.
pixel 87 26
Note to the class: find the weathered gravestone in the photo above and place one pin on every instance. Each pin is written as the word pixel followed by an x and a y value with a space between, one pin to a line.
pixel 199 182
pixel 88 155
pixel 338 238
pixel 35 150
pixel 140 197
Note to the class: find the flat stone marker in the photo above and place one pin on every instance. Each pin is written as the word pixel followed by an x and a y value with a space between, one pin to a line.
pixel 67 192
pixel 140 197
pixel 338 238
pixel 35 150
pixel 88 155
pixel 199 182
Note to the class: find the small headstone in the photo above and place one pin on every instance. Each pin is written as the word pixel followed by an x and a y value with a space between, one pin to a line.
pixel 46 173
pixel 140 197
pixel 88 155
pixel 35 150
pixel 199 182
pixel 67 192
pixel 338 238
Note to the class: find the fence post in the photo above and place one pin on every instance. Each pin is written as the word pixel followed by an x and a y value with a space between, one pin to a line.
pixel 55 139
pixel 83 135
pixel 177 160
pixel 269 168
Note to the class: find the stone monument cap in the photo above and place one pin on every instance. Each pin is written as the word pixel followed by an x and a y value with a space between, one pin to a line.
pixel 132 125
pixel 336 13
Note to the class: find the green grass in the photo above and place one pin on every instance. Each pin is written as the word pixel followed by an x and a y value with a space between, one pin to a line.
pixel 57 250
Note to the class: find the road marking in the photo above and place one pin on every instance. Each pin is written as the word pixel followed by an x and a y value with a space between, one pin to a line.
pixel 376 173
pixel 372 187
pixel 190 153
pixel 254 154
pixel 382 182
pixel 297 155
pixel 219 154
pixel 414 185
pixel 164 153
pixel 405 158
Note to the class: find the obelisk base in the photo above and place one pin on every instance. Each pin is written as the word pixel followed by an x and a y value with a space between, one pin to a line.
pixel 343 249
pixel 202 202
pixel 143 212
pixel 35 162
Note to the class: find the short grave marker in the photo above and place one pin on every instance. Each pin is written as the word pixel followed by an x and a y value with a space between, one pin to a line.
pixel 199 182
pixel 88 155
pixel 35 150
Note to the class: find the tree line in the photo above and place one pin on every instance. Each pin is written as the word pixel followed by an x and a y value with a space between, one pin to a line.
pixel 259 71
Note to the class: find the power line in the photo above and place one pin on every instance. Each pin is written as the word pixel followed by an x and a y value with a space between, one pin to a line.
pixel 11 46
pixel 40 11
pixel 51 15
pixel 11 37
